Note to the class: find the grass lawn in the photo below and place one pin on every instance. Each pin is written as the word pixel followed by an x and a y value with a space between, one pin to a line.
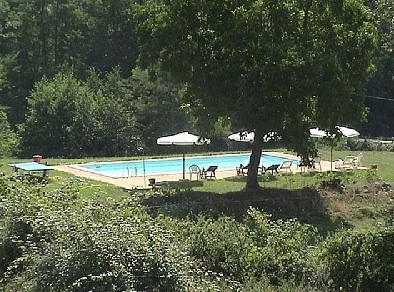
pixel 384 161
pixel 359 205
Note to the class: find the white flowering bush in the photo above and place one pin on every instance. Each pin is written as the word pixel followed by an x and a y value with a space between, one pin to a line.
pixel 58 242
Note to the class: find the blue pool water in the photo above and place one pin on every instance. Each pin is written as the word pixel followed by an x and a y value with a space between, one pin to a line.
pixel 172 165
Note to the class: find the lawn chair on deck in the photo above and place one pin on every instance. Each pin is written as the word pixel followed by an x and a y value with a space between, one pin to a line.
pixel 286 166
pixel 242 170
pixel 347 163
pixel 209 172
pixel 273 168
pixel 357 161
pixel 194 169
pixel 317 163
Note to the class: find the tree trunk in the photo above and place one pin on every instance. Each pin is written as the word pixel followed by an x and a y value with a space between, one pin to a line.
pixel 254 161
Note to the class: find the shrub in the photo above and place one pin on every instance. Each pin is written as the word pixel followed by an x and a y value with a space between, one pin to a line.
pixel 65 244
pixel 280 249
pixel 263 285
pixel 259 247
pixel 9 140
pixel 220 245
pixel 359 261
pixel 108 247
pixel 18 237
pixel 77 119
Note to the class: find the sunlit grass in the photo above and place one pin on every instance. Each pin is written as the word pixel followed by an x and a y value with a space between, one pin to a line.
pixel 383 160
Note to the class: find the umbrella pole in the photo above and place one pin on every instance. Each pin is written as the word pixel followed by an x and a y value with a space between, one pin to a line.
pixel 183 165
pixel 143 166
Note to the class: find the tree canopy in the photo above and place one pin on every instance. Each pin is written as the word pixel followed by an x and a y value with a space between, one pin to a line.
pixel 68 117
pixel 265 65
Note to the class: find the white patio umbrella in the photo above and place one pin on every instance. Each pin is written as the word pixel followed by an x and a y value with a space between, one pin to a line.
pixel 344 131
pixel 183 139
pixel 317 133
pixel 245 136
pixel 348 132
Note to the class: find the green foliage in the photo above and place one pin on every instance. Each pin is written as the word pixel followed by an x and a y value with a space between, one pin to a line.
pixel 359 261
pixel 381 86
pixel 261 247
pixel 9 139
pixel 62 240
pixel 263 285
pixel 17 235
pixel 112 251
pixel 106 115
pixel 315 53
pixel 68 118
pixel 221 245
pixel 280 249
pixel 39 38
pixel 158 107
pixel 58 242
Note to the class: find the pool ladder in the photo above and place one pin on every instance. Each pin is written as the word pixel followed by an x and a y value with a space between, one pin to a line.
pixel 127 173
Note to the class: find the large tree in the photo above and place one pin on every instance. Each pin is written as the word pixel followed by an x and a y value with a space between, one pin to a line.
pixel 265 65
pixel 72 118
pixel 38 38
pixel 381 86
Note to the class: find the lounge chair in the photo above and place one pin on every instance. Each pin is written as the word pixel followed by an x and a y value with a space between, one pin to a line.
pixel 209 172
pixel 273 168
pixel 317 163
pixel 194 169
pixel 347 163
pixel 310 164
pixel 242 170
pixel 305 164
pixel 357 161
pixel 286 166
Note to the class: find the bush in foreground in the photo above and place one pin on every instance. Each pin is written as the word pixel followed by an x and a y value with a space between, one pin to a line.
pixel 58 242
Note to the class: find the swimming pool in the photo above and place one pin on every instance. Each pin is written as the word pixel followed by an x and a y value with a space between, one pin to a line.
pixel 172 165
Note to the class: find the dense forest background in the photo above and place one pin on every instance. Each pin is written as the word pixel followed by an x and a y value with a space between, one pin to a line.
pixel 69 84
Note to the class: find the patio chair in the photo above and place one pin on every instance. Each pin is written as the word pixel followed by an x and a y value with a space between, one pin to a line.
pixel 317 163
pixel 242 170
pixel 209 172
pixel 273 168
pixel 286 166
pixel 305 164
pixel 357 161
pixel 194 169
pixel 347 163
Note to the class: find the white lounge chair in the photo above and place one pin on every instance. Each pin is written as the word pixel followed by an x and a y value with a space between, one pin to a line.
pixel 357 161
pixel 347 163
pixel 317 163
pixel 286 166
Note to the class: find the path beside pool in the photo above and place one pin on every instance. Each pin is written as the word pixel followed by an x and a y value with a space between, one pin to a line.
pixel 139 182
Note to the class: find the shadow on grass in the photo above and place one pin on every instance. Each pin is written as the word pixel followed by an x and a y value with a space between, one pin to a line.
pixel 264 178
pixel 184 184
pixel 304 204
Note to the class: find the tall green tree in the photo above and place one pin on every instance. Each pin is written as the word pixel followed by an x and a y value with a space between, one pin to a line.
pixel 9 139
pixel 40 37
pixel 66 117
pixel 159 108
pixel 265 65
pixel 381 86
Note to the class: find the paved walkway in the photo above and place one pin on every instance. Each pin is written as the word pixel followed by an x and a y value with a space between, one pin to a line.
pixel 140 182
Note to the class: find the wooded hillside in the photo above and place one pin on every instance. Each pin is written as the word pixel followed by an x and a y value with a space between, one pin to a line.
pixel 93 43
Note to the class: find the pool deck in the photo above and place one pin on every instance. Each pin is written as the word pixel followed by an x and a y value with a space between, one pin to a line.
pixel 140 182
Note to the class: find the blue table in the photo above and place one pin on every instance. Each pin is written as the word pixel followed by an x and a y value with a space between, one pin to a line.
pixel 30 166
